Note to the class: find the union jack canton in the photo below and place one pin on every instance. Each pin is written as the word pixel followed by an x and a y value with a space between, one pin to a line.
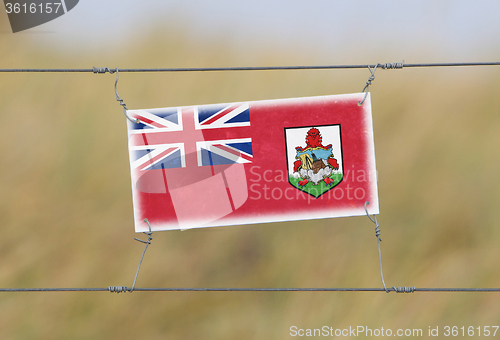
pixel 165 136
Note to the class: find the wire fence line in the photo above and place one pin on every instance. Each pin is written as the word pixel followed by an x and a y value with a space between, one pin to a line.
pixel 371 67
pixel 248 68
pixel 123 289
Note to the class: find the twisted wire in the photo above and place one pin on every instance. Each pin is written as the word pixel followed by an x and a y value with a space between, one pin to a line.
pixel 147 242
pixel 103 70
pixel 118 98
pixel 368 83
pixel 389 66
pixel 404 289
pixel 118 289
pixel 377 235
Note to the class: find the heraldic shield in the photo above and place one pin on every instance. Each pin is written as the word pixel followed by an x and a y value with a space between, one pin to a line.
pixel 314 158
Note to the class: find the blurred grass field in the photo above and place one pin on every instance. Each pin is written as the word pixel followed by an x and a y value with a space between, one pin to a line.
pixel 66 205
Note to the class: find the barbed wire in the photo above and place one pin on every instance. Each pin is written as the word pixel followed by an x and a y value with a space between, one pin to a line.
pixel 397 65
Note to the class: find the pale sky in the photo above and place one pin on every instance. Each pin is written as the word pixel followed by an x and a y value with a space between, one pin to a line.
pixel 443 30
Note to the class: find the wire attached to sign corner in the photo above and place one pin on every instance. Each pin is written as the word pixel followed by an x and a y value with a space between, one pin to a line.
pixel 120 100
pixel 123 289
pixel 377 234
pixel 102 70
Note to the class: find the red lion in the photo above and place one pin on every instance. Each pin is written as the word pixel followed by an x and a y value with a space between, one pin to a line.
pixel 314 140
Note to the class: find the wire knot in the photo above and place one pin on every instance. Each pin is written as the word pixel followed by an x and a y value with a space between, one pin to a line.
pixel 389 66
pixel 403 289
pixel 371 78
pixel 368 83
pixel 374 220
pixel 118 99
pixel 149 233
pixel 103 70
pixel 118 289
pixel 377 232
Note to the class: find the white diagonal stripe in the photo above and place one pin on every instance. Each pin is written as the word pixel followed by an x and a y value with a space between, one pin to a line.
pixel 169 126
pixel 156 150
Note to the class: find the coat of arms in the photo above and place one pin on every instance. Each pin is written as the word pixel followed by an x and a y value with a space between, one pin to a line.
pixel 314 167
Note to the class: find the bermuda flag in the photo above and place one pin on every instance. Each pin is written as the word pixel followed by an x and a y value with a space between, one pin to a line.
pixel 254 162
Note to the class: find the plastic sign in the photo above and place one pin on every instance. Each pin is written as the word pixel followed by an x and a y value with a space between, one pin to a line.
pixel 254 162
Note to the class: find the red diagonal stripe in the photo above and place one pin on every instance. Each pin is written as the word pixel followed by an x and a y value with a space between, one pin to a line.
pixel 157 157
pixel 234 152
pixel 220 114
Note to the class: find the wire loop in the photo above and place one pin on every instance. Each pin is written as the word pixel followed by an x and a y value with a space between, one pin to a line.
pixel 102 70
pixel 118 99
pixel 148 242
pixel 368 83
pixel 386 66
pixel 146 233
pixel 123 289
pixel 377 234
